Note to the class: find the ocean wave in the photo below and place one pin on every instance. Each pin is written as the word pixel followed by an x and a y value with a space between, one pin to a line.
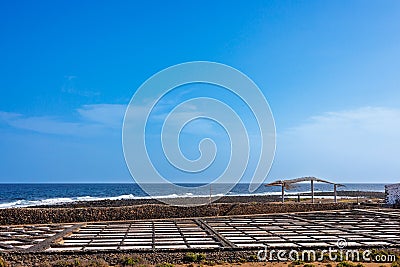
pixel 65 200
pixel 60 200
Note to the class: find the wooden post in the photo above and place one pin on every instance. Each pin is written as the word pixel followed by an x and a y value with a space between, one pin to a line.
pixel 335 192
pixel 358 201
pixel 209 200
pixel 312 191
pixel 298 197
pixel 283 193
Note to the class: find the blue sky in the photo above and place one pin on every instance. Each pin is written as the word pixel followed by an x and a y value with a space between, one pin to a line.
pixel 329 70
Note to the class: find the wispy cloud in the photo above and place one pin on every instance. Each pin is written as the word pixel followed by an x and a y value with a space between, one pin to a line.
pixel 91 119
pixel 374 123
pixel 108 115
pixel 353 144
pixel 359 145
pixel 70 87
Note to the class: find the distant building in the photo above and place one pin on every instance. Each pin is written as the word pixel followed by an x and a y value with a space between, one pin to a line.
pixel 392 192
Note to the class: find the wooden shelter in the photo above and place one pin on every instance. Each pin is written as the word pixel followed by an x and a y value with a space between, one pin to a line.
pixel 288 184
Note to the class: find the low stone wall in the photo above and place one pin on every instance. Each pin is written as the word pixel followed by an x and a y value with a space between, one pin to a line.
pixel 392 193
pixel 151 211
pixel 114 258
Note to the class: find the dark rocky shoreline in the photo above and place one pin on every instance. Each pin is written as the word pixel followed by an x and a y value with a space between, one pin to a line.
pixel 225 199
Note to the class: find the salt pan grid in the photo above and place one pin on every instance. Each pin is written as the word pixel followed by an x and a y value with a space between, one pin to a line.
pixel 28 236
pixel 140 235
pixel 360 228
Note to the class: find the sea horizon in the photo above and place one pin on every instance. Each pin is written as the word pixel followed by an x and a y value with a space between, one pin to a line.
pixel 35 194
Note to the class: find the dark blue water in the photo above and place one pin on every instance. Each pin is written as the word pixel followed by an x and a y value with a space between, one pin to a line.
pixel 22 195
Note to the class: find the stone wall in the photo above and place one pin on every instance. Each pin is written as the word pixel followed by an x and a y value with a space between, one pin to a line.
pixel 152 211
pixel 392 192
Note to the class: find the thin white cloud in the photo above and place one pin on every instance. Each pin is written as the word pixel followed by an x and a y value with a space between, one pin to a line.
pixel 110 115
pixel 70 87
pixel 353 145
pixel 92 119
pixel 6 116
pixel 361 144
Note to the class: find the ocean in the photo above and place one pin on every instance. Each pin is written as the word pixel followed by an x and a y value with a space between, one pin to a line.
pixel 25 195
